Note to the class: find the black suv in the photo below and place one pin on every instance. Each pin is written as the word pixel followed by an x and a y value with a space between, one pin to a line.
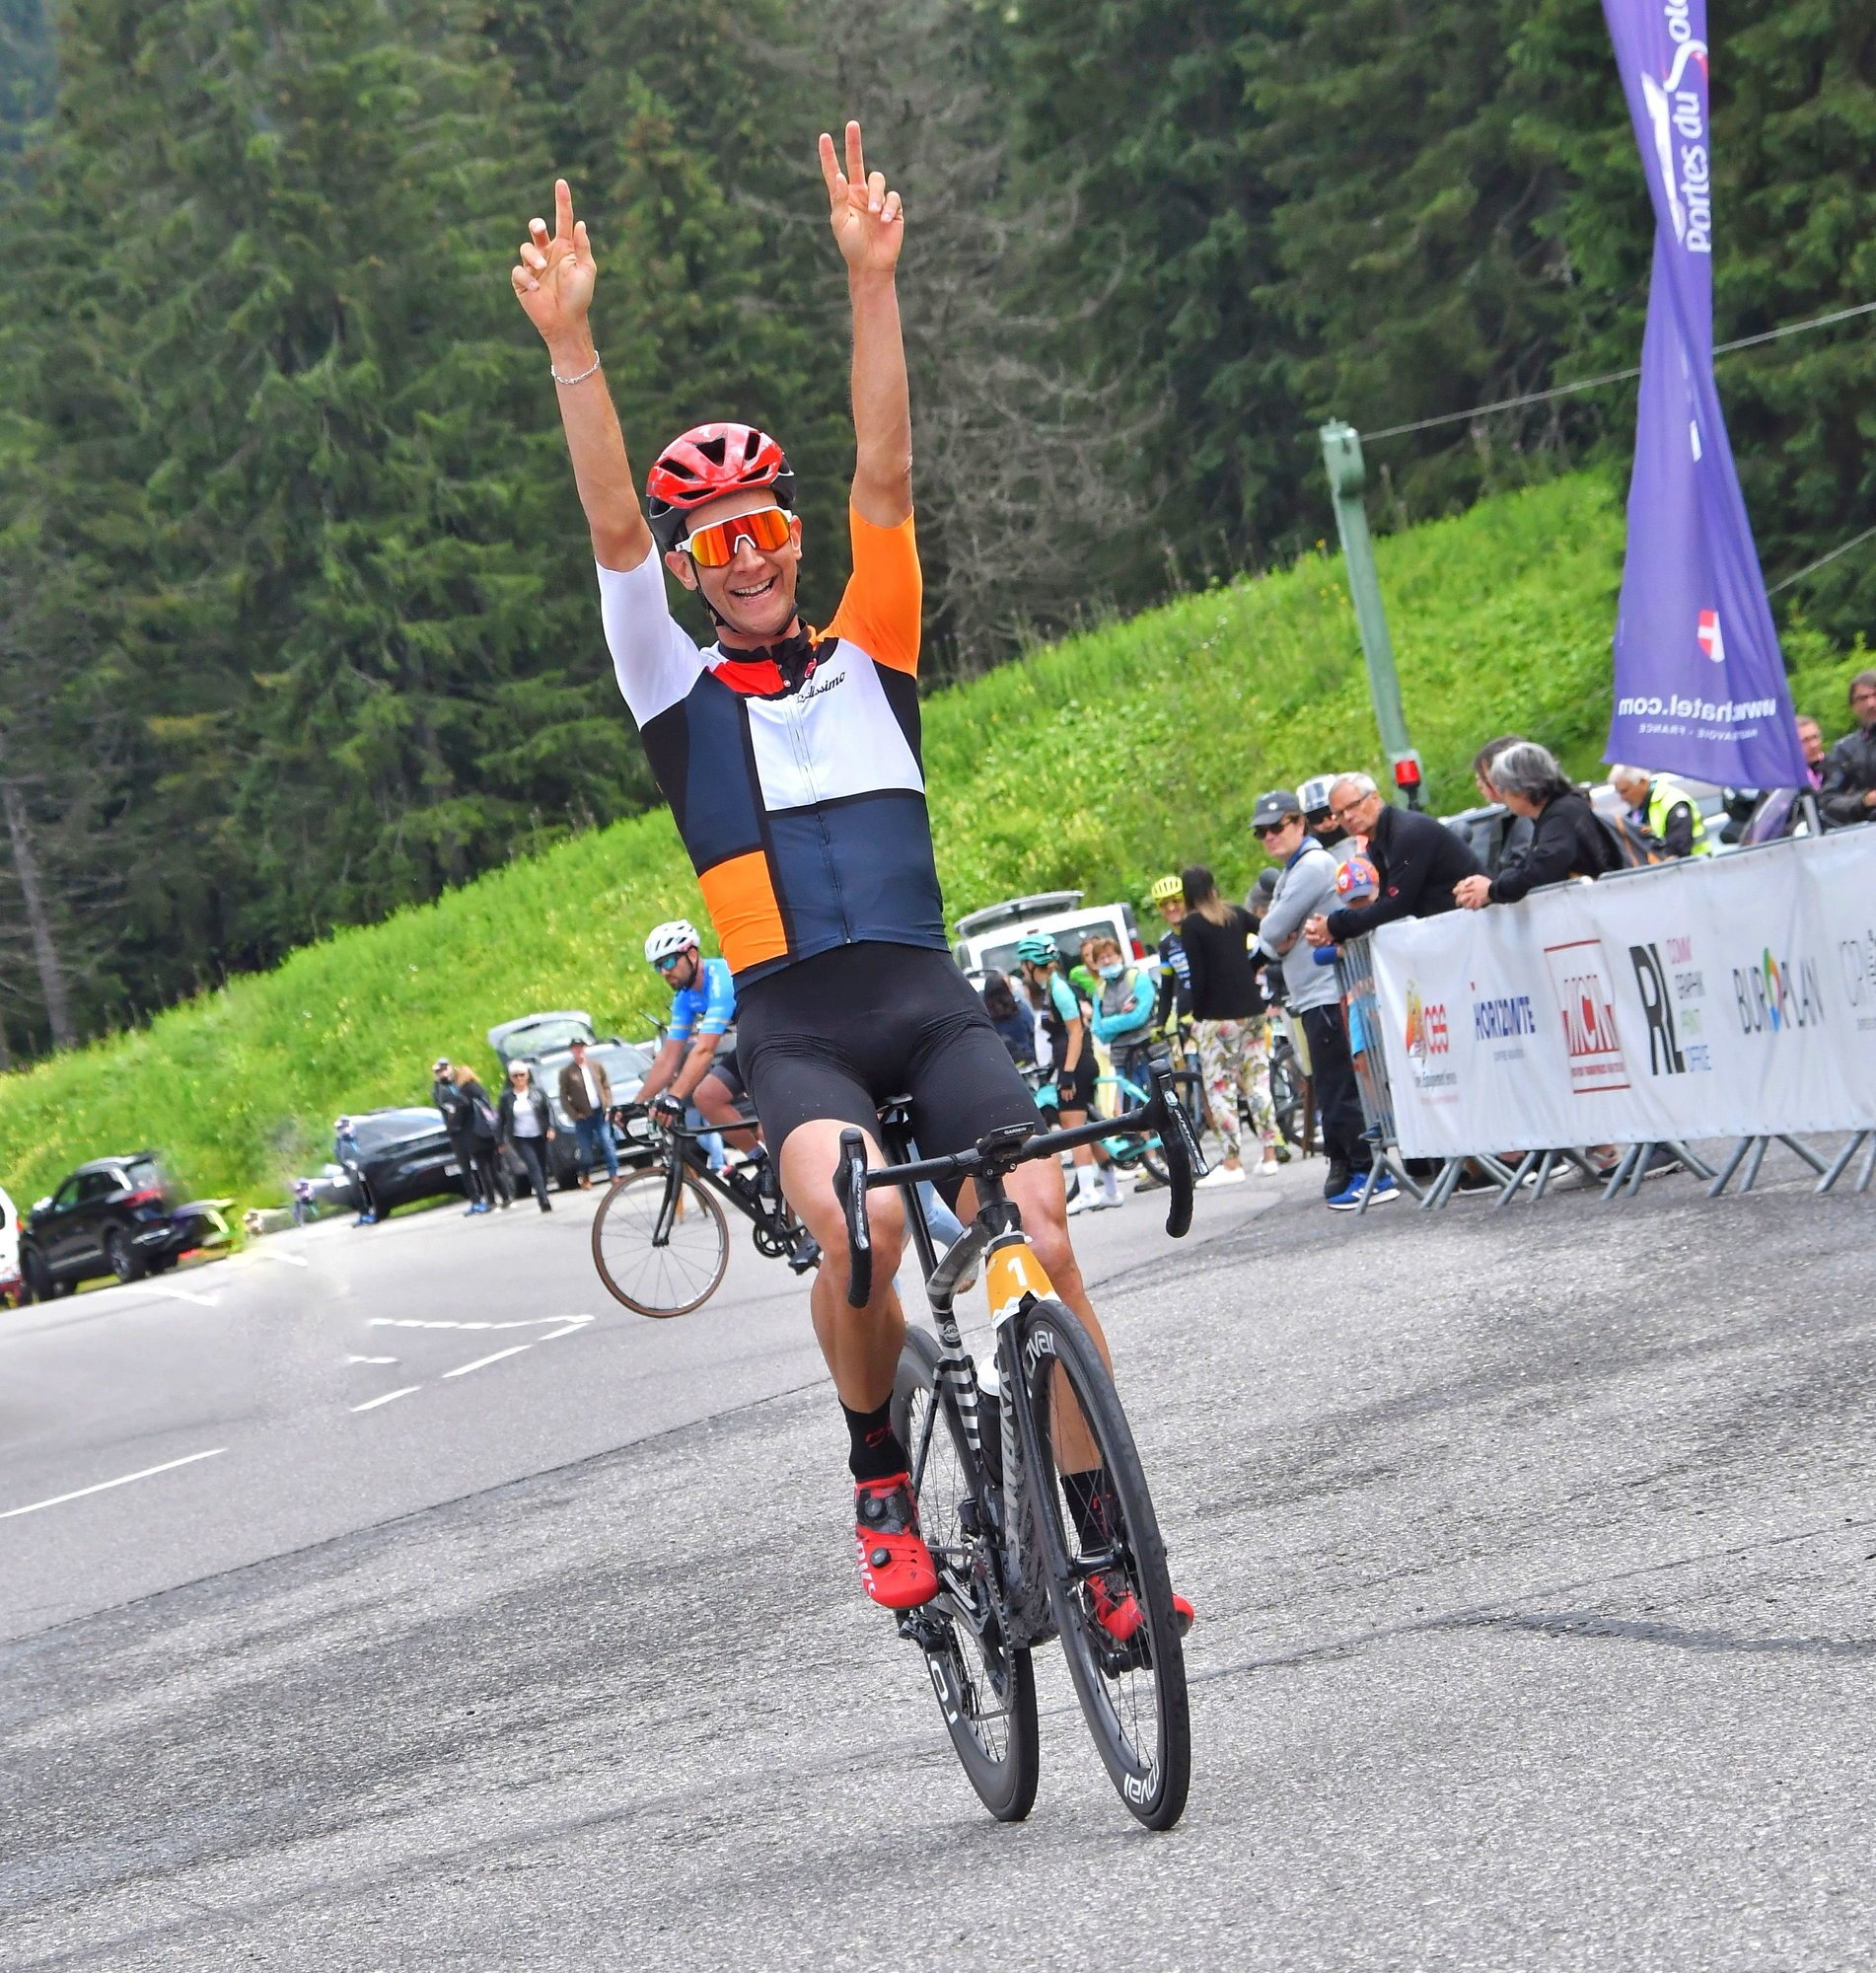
pixel 112 1216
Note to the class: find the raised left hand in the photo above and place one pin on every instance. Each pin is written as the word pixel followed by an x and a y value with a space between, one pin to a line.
pixel 868 221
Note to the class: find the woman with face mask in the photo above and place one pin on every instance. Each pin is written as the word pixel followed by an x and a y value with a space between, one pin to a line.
pixel 1124 1011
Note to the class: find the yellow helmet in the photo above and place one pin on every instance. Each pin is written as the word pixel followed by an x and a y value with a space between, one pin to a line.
pixel 1165 888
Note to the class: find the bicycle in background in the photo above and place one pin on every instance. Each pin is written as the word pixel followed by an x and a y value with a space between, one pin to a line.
pixel 661 1240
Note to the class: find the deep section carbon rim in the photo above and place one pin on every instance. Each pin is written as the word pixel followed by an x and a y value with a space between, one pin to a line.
pixel 1132 1693
pixel 985 1692
pixel 652 1280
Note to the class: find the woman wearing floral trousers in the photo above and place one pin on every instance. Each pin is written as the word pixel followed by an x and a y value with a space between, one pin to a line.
pixel 1230 1023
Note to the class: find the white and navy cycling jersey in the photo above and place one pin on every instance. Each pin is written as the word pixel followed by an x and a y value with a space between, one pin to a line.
pixel 802 807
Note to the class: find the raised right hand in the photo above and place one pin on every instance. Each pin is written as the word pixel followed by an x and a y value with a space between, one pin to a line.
pixel 554 277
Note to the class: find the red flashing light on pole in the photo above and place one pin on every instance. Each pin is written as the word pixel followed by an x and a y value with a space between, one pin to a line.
pixel 1406 777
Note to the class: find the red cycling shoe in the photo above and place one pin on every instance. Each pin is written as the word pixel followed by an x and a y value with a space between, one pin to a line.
pixel 895 1566
pixel 1122 1616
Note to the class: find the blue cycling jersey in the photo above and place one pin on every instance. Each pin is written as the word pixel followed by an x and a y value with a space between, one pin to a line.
pixel 708 1007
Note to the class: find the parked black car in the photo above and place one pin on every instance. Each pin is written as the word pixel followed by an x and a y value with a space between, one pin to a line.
pixel 407 1154
pixel 544 1042
pixel 112 1216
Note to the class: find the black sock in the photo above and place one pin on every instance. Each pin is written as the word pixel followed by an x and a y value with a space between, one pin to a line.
pixel 1089 1495
pixel 876 1453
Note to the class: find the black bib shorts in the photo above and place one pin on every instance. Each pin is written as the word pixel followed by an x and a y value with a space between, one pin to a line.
pixel 844 1032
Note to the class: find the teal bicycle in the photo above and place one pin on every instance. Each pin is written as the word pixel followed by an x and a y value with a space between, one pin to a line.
pixel 1117 1094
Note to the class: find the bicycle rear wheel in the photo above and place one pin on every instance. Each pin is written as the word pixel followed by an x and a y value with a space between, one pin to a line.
pixel 986 1691
pixel 651 1279
pixel 1132 1694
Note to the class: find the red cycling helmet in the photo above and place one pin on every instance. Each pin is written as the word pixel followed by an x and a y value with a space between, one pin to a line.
pixel 705 463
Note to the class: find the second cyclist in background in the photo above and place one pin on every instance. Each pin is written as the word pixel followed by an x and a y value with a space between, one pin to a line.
pixel 1176 975
pixel 697 1062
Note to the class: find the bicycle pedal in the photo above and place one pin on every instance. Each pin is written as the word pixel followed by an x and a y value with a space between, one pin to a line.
pixel 921 1626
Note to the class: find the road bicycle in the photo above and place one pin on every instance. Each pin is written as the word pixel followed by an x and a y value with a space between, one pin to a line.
pixel 661 1241
pixel 988 1453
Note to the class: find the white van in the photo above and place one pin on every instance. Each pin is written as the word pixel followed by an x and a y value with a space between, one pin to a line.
pixel 986 939
pixel 9 1246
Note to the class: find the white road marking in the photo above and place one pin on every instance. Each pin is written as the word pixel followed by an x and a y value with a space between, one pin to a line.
pixel 174 1293
pixel 572 1322
pixel 563 1325
pixel 281 1254
pixel 372 1403
pixel 482 1362
pixel 418 1322
pixel 124 1479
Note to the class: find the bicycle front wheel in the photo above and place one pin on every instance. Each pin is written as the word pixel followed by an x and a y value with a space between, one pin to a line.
pixel 657 1277
pixel 986 1691
pixel 1132 1690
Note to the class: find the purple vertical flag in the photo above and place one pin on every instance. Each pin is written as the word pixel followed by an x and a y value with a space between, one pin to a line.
pixel 1700 684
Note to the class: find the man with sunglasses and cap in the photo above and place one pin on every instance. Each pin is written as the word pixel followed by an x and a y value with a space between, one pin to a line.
pixel 791 761
pixel 1306 887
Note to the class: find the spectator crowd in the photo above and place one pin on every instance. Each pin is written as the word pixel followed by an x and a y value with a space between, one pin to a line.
pixel 1346 862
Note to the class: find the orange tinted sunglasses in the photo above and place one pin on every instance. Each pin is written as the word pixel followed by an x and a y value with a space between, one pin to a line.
pixel 712 546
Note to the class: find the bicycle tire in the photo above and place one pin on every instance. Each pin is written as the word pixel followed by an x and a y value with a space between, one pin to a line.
pixel 653 1280
pixel 1149 1762
pixel 1002 1769
pixel 1286 1094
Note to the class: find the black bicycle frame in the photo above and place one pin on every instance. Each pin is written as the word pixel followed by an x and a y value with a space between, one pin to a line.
pixel 1022 1591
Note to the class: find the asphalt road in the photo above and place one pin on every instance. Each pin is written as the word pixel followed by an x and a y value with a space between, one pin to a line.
pixel 1533 1552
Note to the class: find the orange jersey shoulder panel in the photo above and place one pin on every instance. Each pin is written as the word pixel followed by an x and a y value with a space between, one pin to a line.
pixel 885 597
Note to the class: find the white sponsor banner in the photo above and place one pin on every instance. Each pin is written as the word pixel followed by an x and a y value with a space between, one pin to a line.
pixel 1732 996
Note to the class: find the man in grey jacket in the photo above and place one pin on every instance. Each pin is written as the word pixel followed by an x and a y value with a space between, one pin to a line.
pixel 1306 888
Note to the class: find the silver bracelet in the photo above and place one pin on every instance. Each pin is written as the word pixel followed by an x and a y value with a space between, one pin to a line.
pixel 580 379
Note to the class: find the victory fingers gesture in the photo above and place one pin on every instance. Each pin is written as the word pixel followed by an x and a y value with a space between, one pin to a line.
pixel 868 221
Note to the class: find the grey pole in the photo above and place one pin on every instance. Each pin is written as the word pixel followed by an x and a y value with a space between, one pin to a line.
pixel 1347 483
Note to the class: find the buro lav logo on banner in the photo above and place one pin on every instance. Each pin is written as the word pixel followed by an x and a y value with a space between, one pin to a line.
pixel 1732 996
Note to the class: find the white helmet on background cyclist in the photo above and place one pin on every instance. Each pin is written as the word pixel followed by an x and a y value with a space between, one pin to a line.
pixel 664 941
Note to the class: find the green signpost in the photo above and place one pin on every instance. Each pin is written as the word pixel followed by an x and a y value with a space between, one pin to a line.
pixel 1348 482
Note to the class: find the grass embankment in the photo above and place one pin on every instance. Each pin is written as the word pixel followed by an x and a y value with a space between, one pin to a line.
pixel 1099 762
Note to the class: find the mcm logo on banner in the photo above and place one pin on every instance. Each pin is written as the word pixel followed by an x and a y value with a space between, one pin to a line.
pixel 1579 976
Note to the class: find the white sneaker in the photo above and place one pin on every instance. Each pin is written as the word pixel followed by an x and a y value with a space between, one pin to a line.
pixel 1269 1168
pixel 1081 1202
pixel 1223 1175
pixel 1105 1198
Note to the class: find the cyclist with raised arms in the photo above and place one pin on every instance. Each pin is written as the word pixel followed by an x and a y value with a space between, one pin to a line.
pixel 790 757
pixel 694 1065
